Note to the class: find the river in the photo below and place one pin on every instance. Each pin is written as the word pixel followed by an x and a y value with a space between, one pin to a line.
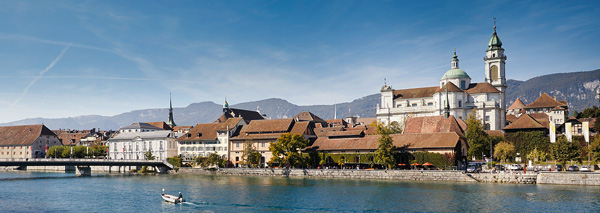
pixel 25 191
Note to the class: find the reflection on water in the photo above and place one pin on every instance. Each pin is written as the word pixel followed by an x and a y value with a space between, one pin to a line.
pixel 38 191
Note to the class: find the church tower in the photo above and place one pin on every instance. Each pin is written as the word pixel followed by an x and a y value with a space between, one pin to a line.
pixel 495 61
pixel 171 122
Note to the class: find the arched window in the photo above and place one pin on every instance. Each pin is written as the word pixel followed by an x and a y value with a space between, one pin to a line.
pixel 494 72
pixel 487 126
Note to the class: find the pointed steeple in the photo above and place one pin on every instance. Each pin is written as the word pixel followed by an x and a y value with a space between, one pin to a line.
pixel 495 43
pixel 454 60
pixel 171 122
pixel 225 106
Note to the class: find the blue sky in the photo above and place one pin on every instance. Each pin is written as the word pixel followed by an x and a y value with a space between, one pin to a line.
pixel 71 58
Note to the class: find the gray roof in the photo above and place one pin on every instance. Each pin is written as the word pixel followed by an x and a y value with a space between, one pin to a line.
pixel 141 125
pixel 143 135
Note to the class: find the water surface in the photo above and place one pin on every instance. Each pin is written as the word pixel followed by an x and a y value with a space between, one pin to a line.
pixel 59 192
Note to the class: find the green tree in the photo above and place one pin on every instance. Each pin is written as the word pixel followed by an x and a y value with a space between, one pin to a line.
pixel 149 155
pixel 286 150
pixel 478 140
pixel 504 150
pixel 575 114
pixel 597 124
pixel 537 155
pixel 527 141
pixel 250 156
pixel 384 154
pixel 175 161
pixel 563 150
pixel 215 160
pixel 594 149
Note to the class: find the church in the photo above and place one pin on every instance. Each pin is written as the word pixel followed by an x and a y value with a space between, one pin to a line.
pixel 455 95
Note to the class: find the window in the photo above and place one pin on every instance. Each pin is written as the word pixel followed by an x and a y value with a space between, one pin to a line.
pixel 430 104
pixel 413 105
pixel 237 145
pixel 487 118
pixel 487 126
pixel 237 158
pixel 463 84
pixel 459 103
pixel 262 144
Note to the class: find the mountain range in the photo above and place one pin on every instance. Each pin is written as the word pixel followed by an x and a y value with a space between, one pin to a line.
pixel 580 89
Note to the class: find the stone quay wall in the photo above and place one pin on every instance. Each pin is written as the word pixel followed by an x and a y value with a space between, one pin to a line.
pixel 569 178
pixel 416 175
pixel 518 178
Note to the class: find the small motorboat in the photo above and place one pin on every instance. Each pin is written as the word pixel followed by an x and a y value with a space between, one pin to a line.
pixel 172 198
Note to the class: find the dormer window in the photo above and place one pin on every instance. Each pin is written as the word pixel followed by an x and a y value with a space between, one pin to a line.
pixel 198 134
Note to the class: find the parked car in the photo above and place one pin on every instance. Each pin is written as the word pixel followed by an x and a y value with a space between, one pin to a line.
pixel 499 167
pixel 473 169
pixel 585 168
pixel 558 168
pixel 515 167
pixel 572 169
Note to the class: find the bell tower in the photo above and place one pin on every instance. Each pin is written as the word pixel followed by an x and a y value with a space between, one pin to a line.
pixel 495 61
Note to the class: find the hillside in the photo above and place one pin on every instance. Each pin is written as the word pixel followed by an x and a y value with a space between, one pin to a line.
pixel 578 88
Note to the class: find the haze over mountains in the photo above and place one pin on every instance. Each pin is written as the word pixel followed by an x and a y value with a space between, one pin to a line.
pixel 580 89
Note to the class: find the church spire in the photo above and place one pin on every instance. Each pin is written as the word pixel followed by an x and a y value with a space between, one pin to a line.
pixel 226 106
pixel 495 43
pixel 454 60
pixel 171 122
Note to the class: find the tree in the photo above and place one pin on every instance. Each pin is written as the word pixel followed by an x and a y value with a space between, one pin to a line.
pixel 215 160
pixel 527 141
pixel 385 148
pixel 597 124
pixel 537 155
pixel 250 156
pixel 504 150
pixel 563 150
pixel 149 155
pixel 575 114
pixel 286 150
pixel 478 140
pixel 594 149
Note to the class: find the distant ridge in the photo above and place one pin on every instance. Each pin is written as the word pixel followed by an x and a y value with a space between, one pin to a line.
pixel 578 88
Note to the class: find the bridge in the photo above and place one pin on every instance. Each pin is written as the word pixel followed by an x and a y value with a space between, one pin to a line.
pixel 83 165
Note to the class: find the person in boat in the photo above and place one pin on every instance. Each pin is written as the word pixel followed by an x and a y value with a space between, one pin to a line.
pixel 180 196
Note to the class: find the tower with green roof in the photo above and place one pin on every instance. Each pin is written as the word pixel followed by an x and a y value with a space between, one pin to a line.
pixel 495 61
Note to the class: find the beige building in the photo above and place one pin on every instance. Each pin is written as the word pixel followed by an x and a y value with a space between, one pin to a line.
pixel 29 141
pixel 262 133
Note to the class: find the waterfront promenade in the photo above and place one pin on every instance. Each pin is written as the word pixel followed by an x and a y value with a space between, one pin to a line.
pixel 558 178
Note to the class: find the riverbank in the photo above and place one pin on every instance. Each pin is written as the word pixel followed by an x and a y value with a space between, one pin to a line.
pixel 555 178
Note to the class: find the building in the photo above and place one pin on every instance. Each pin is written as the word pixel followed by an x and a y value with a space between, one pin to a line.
pixel 557 111
pixel 207 138
pixel 29 141
pixel 455 95
pixel 261 133
pixel 135 140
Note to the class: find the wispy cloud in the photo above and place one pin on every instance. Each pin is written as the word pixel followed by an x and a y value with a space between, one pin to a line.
pixel 40 75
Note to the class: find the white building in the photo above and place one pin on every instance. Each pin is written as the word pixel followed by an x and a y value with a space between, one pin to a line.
pixel 455 95
pixel 135 140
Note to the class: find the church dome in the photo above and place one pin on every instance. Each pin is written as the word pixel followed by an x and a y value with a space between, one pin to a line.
pixel 455 73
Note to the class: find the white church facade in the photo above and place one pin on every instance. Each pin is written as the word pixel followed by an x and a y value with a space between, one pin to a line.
pixel 455 95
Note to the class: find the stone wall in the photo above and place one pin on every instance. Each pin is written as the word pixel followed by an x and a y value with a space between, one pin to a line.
pixel 519 178
pixel 455 176
pixel 569 178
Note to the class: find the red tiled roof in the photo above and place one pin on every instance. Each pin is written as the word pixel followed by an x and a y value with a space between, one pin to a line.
pixel 545 101
pixel 308 116
pixel 518 104
pixel 177 128
pixel 320 132
pixel 432 124
pixel 70 139
pixel 336 122
pixel 525 121
pixel 345 133
pixel 206 131
pixel 301 128
pixel 482 88
pixel 22 135
pixel 494 132
pixel 451 88
pixel 160 124
pixel 276 125
pixel 415 93
pixel 511 118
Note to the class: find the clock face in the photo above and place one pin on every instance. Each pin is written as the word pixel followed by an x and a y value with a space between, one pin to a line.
pixel 494 72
